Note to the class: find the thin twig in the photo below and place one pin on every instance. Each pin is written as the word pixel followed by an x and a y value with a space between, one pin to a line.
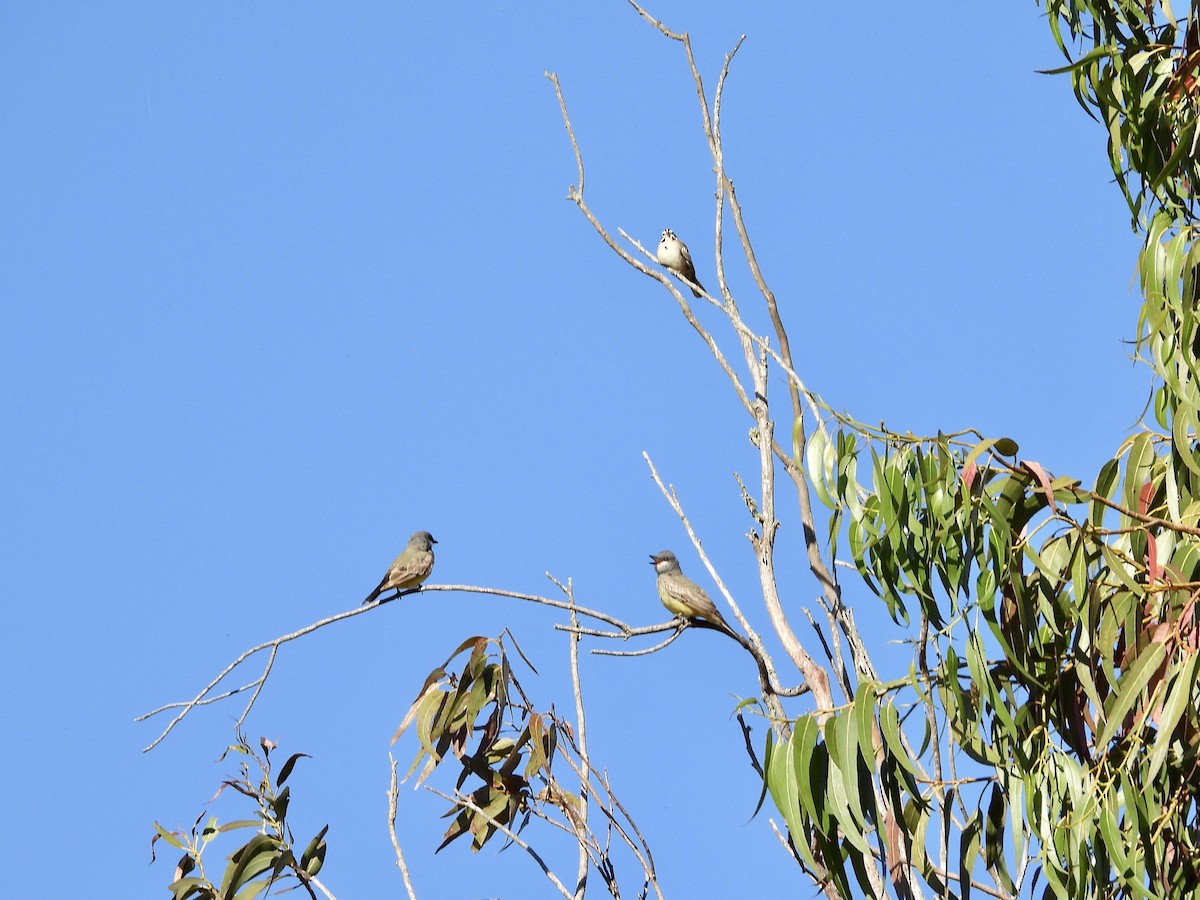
pixel 393 803
pixel 639 848
pixel 194 702
pixel 467 802
pixel 746 736
pixel 529 598
pixel 833 649
pixel 644 652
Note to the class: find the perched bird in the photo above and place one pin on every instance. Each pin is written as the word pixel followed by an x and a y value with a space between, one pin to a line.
pixel 674 254
pixel 681 595
pixel 410 568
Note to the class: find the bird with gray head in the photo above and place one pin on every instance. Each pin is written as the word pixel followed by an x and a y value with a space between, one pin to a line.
pixel 682 596
pixel 674 254
pixel 410 568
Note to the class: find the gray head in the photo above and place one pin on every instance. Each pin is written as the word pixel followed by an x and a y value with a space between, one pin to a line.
pixel 422 540
pixel 664 561
pixel 667 233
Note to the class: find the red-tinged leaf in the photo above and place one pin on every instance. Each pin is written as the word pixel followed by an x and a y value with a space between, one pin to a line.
pixel 1003 446
pixel 891 830
pixel 237 786
pixel 221 790
pixel 267 744
pixel 970 470
pixel 1162 631
pixel 1035 469
pixel 1153 569
pixel 1145 496
pixel 1189 625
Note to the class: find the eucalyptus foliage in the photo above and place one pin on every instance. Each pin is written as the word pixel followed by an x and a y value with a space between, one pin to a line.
pixel 1045 740
pixel 267 861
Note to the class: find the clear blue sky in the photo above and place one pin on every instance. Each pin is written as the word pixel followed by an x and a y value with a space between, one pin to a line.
pixel 285 282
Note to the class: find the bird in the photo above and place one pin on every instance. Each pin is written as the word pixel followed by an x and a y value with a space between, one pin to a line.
pixel 681 595
pixel 674 254
pixel 410 568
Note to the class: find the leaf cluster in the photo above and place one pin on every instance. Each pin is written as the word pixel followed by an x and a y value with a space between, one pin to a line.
pixel 267 859
pixel 470 717
pixel 1070 700
pixel 1134 67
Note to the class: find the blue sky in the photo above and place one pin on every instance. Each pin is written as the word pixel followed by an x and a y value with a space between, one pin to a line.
pixel 287 282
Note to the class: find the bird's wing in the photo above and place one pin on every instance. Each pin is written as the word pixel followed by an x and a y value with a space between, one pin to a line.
pixel 409 565
pixel 688 595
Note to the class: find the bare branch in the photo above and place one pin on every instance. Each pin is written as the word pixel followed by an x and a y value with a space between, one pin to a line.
pixel 272 644
pixel 562 105
pixel 393 802
pixel 585 788
pixel 607 801
pixel 529 598
pixel 833 650
pixel 202 698
pixel 644 652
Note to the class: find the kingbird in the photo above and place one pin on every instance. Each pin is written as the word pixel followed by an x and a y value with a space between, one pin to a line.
pixel 410 568
pixel 681 595
pixel 674 254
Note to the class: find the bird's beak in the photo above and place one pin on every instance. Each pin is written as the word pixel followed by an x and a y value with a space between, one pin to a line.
pixel 653 560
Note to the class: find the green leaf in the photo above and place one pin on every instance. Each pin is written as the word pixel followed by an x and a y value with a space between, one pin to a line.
pixel 848 754
pixel 819 459
pixel 770 748
pixel 280 804
pixel 1114 839
pixel 1129 691
pixel 287 768
pixel 1179 692
pixel 841 797
pixel 239 823
pixel 248 862
pixel 313 857
pixel 809 767
pixel 1083 62
pixel 169 836
pixel 988 444
pixel 994 838
pixel 784 784
pixel 864 721
pixel 889 727
pixel 185 888
pixel 1007 447
pixel 1138 466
